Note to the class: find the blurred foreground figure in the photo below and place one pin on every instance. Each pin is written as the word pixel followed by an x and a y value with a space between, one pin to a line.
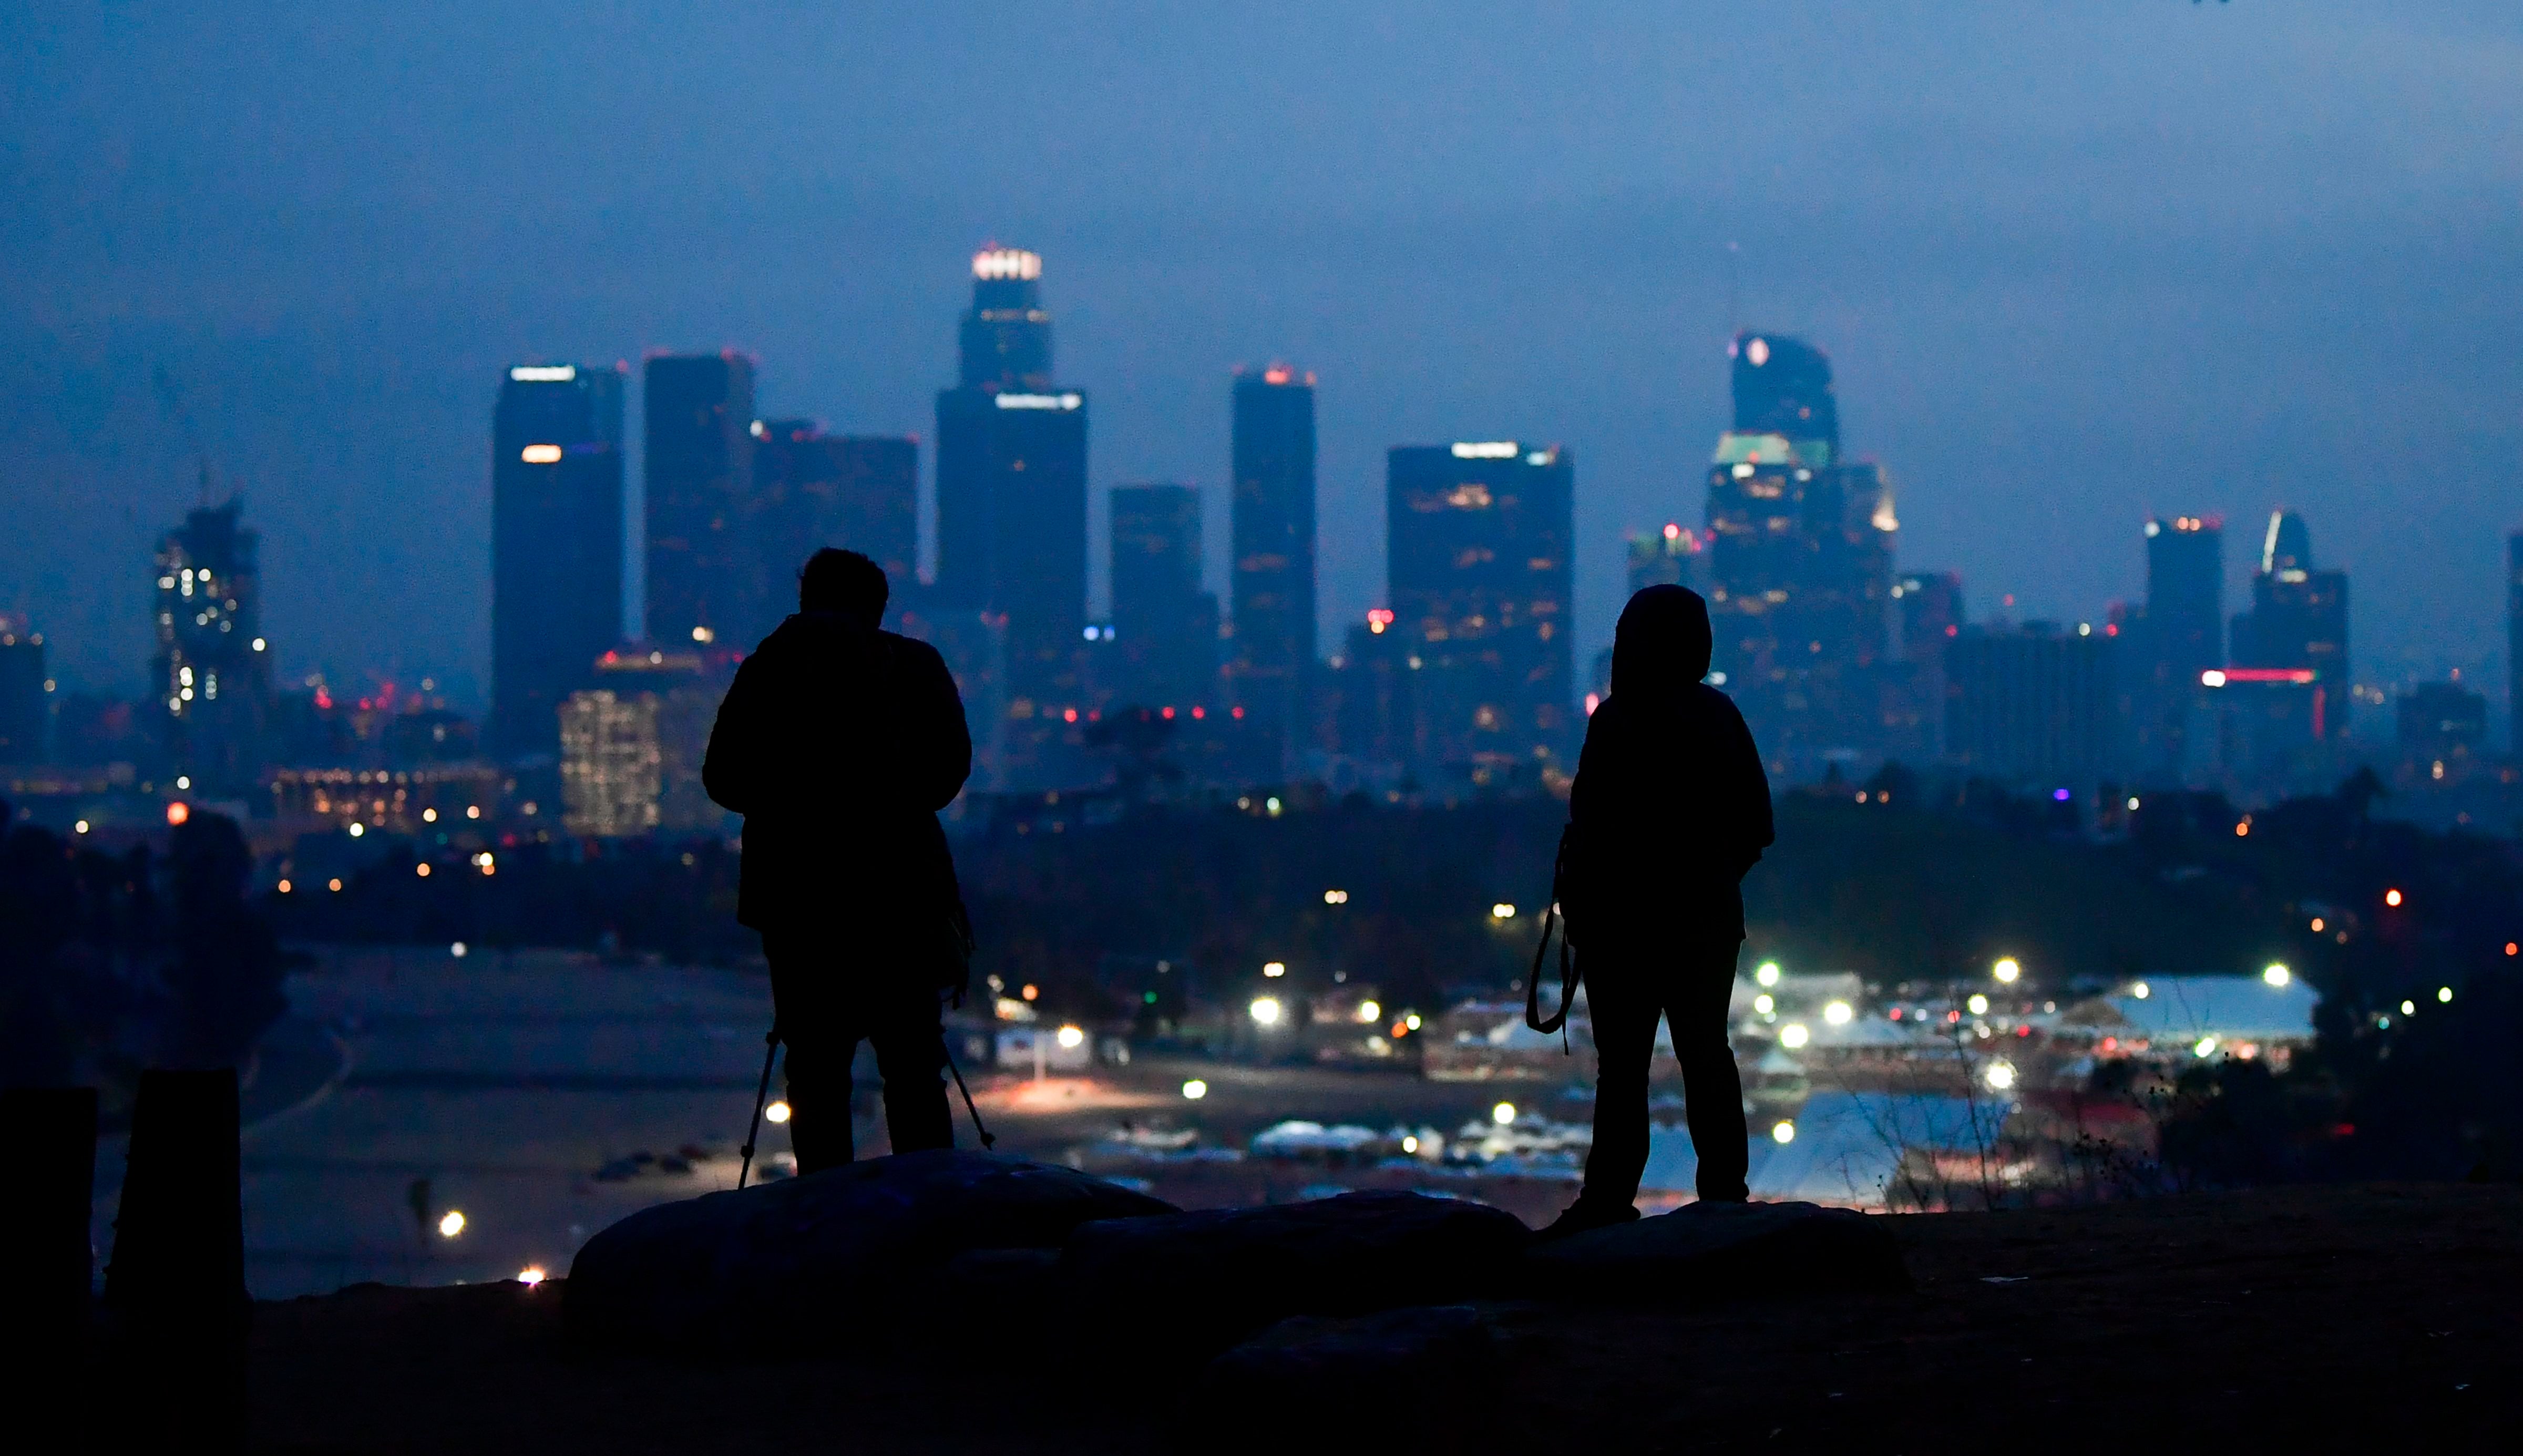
pixel 839 743
pixel 1669 809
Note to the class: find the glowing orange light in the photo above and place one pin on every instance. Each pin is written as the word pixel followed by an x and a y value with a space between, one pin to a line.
pixel 283 887
pixel 178 812
pixel 1031 992
pixel 2392 896
pixel 2243 829
pixel 2511 948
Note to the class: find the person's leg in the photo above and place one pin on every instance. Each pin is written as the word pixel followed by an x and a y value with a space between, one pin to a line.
pixel 911 1057
pixel 1712 1091
pixel 819 1047
pixel 1624 1013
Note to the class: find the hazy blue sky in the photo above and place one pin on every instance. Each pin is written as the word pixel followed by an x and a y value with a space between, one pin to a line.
pixel 2074 263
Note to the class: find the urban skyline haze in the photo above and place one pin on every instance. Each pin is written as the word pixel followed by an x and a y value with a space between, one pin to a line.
pixel 2072 269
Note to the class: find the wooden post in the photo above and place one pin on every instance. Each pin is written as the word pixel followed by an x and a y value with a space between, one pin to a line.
pixel 176 1282
pixel 44 1226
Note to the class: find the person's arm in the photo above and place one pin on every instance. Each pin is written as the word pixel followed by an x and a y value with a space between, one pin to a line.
pixel 1585 809
pixel 729 764
pixel 1751 785
pixel 940 753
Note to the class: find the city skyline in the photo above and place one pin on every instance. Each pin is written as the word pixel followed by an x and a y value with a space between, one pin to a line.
pixel 1975 345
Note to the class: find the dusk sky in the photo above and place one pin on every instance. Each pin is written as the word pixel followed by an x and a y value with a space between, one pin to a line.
pixel 2072 264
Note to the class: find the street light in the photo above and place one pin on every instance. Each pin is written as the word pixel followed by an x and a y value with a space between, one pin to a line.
pixel 1070 1038
pixel 1793 1035
pixel 1768 974
pixel 2007 970
pixel 1978 1005
pixel 1194 1090
pixel 2277 975
pixel 1265 1011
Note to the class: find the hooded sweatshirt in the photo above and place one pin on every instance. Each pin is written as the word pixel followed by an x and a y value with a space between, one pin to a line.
pixel 1670 806
pixel 839 743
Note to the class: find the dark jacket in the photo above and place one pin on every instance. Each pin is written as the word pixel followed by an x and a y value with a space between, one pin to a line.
pixel 1670 806
pixel 839 744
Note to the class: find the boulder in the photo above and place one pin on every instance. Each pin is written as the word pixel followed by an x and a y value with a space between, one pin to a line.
pixel 1400 1378
pixel 1185 1286
pixel 1721 1249
pixel 815 1261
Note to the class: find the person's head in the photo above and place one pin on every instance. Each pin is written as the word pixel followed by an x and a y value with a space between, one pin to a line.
pixel 845 584
pixel 1662 643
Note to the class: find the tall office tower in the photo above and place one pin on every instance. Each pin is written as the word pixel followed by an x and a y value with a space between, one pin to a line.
pixel 1671 558
pixel 213 668
pixel 1931 615
pixel 632 745
pixel 2442 725
pixel 1478 541
pixel 2514 640
pixel 1372 678
pixel 556 562
pixel 705 578
pixel 25 703
pixel 1800 559
pixel 2299 622
pixel 856 491
pixel 1165 626
pixel 1271 654
pixel 1012 504
pixel 2184 632
pixel 1932 612
pixel 2037 705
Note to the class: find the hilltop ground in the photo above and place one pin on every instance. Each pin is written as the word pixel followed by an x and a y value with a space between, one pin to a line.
pixel 2303 1319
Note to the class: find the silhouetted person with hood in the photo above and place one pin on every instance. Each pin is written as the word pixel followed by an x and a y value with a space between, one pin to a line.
pixel 1669 809
pixel 838 742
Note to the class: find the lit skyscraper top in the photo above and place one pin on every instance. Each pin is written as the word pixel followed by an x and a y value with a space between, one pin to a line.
pixel 1782 387
pixel 1006 337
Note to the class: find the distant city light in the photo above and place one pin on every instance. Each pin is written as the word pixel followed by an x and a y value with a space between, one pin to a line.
pixel 358 829
pixel 704 635
pixel 1756 354
pixel 2007 970
pixel 2443 993
pixel 334 885
pixel 2392 898
pixel 996 263
pixel 184 780
pixel 775 1111
pixel 2211 678
pixel 544 373
pixel 1410 1143
pixel 81 827
pixel 1486 449
pixel 457 950
pixel 1502 912
pixel 2132 804
pixel 2138 990
pixel 1040 402
pixel 1793 1035
pixel 1782 1132
pixel 540 454
pixel 1978 1003
pixel 1837 1014
pixel 1502 1115
pixel 2000 1076
pixel 1336 897
pixel 1030 990
pixel 178 812
pixel 1768 974
pixel 2206 1048
pixel 1265 1011
pixel 421 870
pixel 429 816
pixel 531 1275
pixel 2277 975
pixel 1411 1020
pixel 1070 1038
pixel 1369 1010
pixel 450 1223
pixel 259 644
pixel 1270 806
pixel 1765 1003
pixel 2061 795
pixel 1274 969
pixel 1194 1090
pixel 1672 530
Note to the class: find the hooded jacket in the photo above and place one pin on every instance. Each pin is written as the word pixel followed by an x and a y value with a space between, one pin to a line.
pixel 839 743
pixel 1670 805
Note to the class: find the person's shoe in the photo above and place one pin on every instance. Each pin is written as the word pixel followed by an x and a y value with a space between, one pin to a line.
pixel 1581 1217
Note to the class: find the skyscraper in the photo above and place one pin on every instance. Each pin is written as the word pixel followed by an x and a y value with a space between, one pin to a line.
pixel 705 577
pixel 2299 620
pixel 212 668
pixel 25 707
pixel 1799 560
pixel 1165 626
pixel 2514 640
pixel 557 561
pixel 812 489
pixel 1012 491
pixel 2184 632
pixel 2036 704
pixel 1272 652
pixel 1478 540
pixel 1671 558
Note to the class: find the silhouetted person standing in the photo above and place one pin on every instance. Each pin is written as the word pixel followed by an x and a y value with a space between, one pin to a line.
pixel 1669 809
pixel 838 742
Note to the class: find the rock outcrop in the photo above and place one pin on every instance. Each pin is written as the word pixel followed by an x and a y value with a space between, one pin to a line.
pixel 846 1254
pixel 1721 1251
